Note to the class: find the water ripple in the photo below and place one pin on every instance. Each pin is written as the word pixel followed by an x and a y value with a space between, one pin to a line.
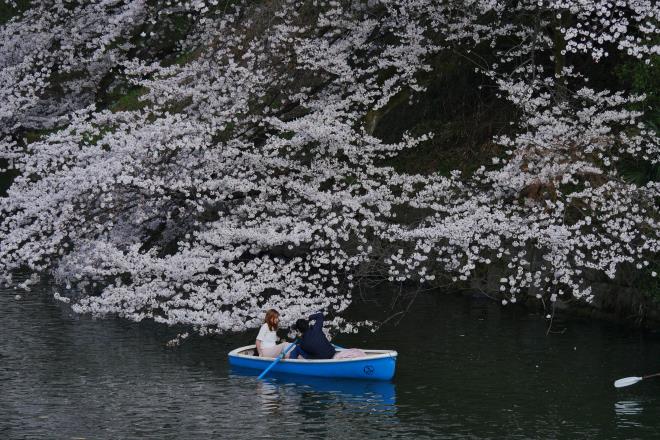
pixel 465 371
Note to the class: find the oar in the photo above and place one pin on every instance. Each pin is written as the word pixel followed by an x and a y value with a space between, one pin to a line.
pixel 277 359
pixel 627 381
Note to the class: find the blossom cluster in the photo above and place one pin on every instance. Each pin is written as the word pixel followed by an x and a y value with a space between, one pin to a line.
pixel 249 177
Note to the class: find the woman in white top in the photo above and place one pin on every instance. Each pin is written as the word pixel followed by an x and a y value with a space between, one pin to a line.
pixel 267 345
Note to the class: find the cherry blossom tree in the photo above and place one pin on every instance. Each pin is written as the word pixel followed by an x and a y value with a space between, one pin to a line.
pixel 247 181
pixel 249 176
pixel 554 204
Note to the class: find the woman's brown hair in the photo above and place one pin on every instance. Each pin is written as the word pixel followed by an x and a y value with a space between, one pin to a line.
pixel 270 319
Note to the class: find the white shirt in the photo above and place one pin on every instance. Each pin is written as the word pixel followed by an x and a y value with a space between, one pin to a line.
pixel 267 337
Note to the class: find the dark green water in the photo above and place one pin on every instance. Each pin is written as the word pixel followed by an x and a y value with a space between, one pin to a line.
pixel 467 369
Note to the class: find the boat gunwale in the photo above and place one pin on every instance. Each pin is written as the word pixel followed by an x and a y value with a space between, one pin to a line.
pixel 382 354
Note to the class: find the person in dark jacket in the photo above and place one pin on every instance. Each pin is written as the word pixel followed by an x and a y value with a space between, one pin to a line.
pixel 313 342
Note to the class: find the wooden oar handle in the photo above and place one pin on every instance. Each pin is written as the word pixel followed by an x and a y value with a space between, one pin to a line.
pixel 651 375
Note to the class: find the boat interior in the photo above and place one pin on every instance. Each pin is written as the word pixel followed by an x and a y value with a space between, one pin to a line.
pixel 252 351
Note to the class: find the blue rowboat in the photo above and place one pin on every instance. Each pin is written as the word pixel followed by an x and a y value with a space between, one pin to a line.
pixel 376 365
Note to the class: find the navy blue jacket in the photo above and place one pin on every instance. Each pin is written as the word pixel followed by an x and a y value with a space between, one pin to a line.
pixel 314 342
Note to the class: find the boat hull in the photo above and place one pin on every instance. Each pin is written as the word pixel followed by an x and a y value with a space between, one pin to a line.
pixel 379 365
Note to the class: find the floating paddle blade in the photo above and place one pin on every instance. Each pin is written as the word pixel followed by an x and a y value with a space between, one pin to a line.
pixel 627 381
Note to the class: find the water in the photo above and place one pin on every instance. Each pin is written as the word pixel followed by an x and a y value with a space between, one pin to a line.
pixel 467 369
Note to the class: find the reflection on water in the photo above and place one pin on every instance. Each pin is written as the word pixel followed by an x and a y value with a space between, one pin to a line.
pixel 353 395
pixel 268 396
pixel 626 412
pixel 466 369
pixel 627 407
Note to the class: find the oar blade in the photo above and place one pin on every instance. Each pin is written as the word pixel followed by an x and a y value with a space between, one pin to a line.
pixel 627 381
